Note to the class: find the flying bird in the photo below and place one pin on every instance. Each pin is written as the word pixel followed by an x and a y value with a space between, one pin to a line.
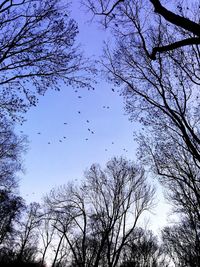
pixel 87 121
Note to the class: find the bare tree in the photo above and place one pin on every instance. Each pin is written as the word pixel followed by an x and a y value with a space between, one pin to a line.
pixel 11 204
pixel 143 250
pixel 181 242
pixel 59 248
pixel 97 218
pixel 37 51
pixel 163 89
pixel 119 194
pixel 11 149
pixel 21 247
pixel 180 18
pixel 177 170
pixel 67 210
pixel 47 234
pixel 27 241
pixel 163 95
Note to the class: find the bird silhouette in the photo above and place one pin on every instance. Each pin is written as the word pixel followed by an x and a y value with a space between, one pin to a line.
pixel 38 133
pixel 87 121
pixel 65 123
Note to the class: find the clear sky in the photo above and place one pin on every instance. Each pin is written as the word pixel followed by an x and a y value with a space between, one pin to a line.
pixel 69 130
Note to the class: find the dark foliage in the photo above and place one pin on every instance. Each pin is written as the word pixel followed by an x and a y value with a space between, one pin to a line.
pixel 11 148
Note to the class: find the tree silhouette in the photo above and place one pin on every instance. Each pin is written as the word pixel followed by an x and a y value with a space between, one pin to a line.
pixel 93 219
pixel 26 245
pixel 10 208
pixel 37 51
pixel 182 244
pixel 142 250
pixel 11 204
pixel 178 18
pixel 161 94
pixel 47 234
pixel 163 89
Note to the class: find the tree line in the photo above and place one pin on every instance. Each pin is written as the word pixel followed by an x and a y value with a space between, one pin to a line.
pixel 96 223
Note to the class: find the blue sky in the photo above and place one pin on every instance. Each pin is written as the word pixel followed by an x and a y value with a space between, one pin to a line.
pixel 67 133
pixel 58 127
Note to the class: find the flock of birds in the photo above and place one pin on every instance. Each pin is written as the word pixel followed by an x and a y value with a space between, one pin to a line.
pixel 86 139
pixel 89 129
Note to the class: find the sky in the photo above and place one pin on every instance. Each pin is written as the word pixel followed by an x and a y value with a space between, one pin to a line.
pixel 71 129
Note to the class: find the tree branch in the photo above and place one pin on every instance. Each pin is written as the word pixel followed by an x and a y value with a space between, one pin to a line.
pixel 165 48
pixel 175 19
pixel 111 9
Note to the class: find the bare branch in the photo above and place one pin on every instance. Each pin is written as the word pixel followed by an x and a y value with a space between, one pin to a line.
pixel 175 19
